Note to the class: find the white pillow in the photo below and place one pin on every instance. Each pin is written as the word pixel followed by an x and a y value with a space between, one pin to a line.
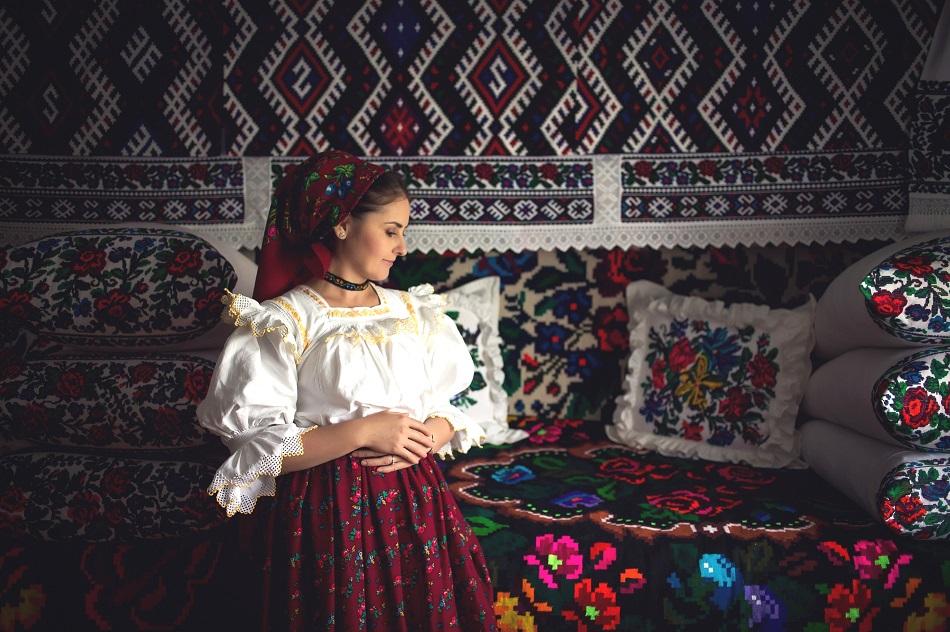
pixel 474 307
pixel 707 380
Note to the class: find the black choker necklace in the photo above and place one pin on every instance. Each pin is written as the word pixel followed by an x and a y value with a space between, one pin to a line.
pixel 343 283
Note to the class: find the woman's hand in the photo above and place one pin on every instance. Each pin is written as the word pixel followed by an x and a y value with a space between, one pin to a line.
pixel 387 434
pixel 384 463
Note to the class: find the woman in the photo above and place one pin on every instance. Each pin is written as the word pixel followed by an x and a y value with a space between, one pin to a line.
pixel 331 394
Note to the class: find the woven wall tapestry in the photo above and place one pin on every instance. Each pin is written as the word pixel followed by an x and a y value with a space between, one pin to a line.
pixel 549 124
pixel 930 138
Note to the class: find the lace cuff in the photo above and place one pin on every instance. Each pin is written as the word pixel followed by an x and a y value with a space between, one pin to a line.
pixel 256 462
pixel 467 432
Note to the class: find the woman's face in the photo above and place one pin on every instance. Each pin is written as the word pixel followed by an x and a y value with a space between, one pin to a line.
pixel 373 242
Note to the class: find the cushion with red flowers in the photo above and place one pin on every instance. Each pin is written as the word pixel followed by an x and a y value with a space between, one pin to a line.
pixel 474 307
pixel 58 496
pixel 898 296
pixel 126 287
pixel 898 396
pixel 908 490
pixel 106 402
pixel 713 381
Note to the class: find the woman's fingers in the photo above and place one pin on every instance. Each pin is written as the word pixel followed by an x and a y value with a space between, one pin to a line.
pixel 398 465
pixel 364 453
pixel 423 437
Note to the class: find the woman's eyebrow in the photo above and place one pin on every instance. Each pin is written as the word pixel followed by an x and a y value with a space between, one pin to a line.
pixel 398 225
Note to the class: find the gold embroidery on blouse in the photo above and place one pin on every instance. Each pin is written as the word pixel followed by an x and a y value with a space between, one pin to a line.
pixel 293 312
pixel 376 333
pixel 239 321
pixel 349 312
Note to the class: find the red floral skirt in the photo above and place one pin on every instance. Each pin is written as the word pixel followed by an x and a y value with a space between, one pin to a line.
pixel 341 547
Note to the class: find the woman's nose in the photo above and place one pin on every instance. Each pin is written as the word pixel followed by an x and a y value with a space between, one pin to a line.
pixel 401 248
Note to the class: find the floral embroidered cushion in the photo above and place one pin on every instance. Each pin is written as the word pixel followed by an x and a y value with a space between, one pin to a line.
pixel 122 288
pixel 474 307
pixel 907 490
pixel 61 496
pixel 106 402
pixel 898 396
pixel 713 381
pixel 898 296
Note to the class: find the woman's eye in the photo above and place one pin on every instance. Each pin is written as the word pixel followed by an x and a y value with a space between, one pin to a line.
pixel 391 234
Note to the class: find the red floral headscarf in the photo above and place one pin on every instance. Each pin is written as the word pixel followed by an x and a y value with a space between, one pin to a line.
pixel 311 198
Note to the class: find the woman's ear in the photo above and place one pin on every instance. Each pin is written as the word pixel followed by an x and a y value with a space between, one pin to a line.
pixel 343 228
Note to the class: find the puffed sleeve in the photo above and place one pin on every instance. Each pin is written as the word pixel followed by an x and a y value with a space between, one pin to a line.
pixel 252 400
pixel 450 370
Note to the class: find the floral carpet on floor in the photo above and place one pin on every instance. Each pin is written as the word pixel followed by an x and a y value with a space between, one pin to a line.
pixel 584 534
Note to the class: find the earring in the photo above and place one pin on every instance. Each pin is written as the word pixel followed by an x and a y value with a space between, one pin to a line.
pixel 341 233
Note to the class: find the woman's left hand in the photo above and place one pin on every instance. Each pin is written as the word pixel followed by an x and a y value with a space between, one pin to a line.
pixel 383 463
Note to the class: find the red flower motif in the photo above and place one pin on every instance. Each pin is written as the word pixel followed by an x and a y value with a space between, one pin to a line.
pixel 16 303
pixel 846 606
pixel 610 327
pixel 89 262
pixel 196 384
pixel 707 168
pixel 887 509
pixel 198 171
pixel 167 422
pixel 71 383
pixel 143 372
pixel 84 507
pixel 117 481
pixel 420 170
pixel 659 373
pixel 184 261
pixel 619 267
pixel 744 474
pixel 12 501
pixel 681 501
pixel 627 469
pixel 549 171
pixel 544 433
pixel 643 168
pixel 842 162
pixel 692 430
pixel 484 171
pixel 113 306
pixel 735 404
pixel 917 266
pixel 596 606
pixel 134 172
pixel 682 355
pixel 211 300
pixel 919 407
pixel 774 164
pixel 888 303
pixel 762 372
pixel 909 509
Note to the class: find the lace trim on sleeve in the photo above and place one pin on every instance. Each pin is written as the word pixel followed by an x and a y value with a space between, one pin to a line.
pixel 240 493
pixel 467 434
pixel 246 312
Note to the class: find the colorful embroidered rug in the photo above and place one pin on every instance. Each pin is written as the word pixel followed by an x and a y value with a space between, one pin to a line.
pixel 583 534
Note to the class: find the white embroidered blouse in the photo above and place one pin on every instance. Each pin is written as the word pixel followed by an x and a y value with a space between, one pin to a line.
pixel 295 363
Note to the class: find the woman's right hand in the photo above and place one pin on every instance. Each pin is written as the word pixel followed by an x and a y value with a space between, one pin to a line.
pixel 397 434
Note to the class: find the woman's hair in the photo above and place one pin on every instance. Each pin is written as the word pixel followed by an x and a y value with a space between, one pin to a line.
pixel 387 188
